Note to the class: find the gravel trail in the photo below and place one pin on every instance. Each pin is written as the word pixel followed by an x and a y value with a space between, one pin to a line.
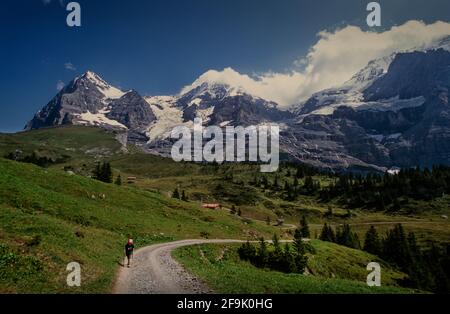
pixel 154 271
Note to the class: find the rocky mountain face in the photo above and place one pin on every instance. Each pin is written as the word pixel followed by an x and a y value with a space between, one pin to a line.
pixel 392 113
pixel 89 100
pixel 399 119
pixel 132 111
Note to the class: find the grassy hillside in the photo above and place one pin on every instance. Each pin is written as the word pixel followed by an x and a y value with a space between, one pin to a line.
pixel 77 143
pixel 79 148
pixel 49 218
pixel 332 268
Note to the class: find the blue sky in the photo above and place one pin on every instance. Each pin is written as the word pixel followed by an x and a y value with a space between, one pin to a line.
pixel 158 47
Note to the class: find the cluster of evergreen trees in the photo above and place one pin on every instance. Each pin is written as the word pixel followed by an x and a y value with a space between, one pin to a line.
pixel 176 194
pixel 290 191
pixel 288 259
pixel 372 191
pixel 343 236
pixel 427 269
pixel 387 192
pixel 33 158
pixel 103 172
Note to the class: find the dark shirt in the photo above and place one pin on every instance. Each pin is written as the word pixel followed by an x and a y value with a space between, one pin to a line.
pixel 129 249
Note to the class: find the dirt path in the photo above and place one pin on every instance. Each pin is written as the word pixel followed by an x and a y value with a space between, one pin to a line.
pixel 154 271
pixel 377 223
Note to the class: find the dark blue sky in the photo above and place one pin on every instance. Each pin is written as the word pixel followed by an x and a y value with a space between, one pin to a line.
pixel 157 47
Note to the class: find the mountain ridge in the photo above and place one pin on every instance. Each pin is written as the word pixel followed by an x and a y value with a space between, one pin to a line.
pixel 393 112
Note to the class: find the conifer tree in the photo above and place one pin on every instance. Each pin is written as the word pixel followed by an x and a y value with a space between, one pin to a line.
pixel 107 175
pixel 304 228
pixel 176 194
pixel 345 237
pixel 96 174
pixel 288 259
pixel 118 180
pixel 300 258
pixel 372 243
pixel 263 254
pixel 395 247
pixel 103 172
pixel 276 245
pixel 183 196
pixel 327 234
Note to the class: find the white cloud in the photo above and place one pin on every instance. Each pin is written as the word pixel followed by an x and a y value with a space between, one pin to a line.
pixel 69 66
pixel 333 60
pixel 61 2
pixel 60 85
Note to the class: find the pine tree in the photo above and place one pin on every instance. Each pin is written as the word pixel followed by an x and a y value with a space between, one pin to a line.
pixel 304 228
pixel 107 175
pixel 184 198
pixel 300 258
pixel 372 243
pixel 247 252
pixel 276 257
pixel 276 244
pixel 263 254
pixel 327 234
pixel 288 259
pixel 118 180
pixel 395 247
pixel 418 272
pixel 435 262
pixel 239 212
pixel 345 237
pixel 233 210
pixel 103 172
pixel 96 174
pixel 176 194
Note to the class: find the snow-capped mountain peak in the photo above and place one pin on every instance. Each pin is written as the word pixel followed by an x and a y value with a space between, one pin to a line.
pixel 212 90
pixel 374 70
pixel 108 91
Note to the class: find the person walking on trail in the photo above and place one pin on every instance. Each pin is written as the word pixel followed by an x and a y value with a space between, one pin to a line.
pixel 129 248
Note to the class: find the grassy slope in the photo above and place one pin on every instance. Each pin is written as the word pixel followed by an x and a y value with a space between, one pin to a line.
pixel 81 143
pixel 336 269
pixel 48 202
pixel 227 184
pixel 57 206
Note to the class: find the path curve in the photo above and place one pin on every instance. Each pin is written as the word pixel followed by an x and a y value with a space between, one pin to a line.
pixel 154 271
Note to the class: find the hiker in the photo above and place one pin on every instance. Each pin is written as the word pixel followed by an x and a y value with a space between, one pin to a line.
pixel 129 247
